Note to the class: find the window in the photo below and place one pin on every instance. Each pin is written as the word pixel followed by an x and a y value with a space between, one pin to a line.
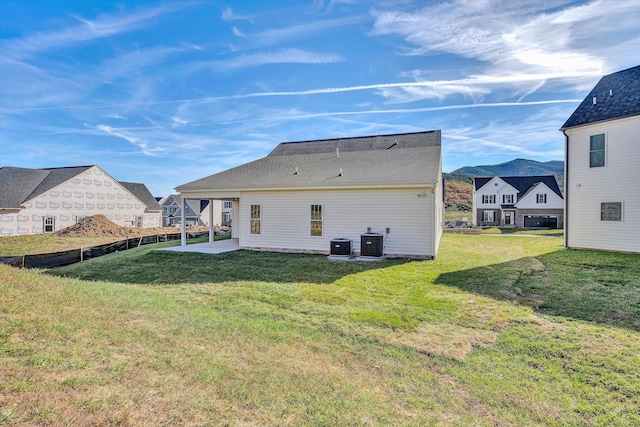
pixel 488 198
pixel 541 198
pixel 227 205
pixel 487 216
pixel 316 220
pixel 596 151
pixel 255 219
pixel 611 211
pixel 226 217
pixel 79 218
pixel 49 224
pixel 507 199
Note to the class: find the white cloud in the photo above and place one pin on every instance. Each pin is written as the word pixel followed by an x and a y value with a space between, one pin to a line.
pixel 279 57
pixel 101 27
pixel 522 42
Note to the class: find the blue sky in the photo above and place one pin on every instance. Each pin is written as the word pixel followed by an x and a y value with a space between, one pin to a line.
pixel 166 92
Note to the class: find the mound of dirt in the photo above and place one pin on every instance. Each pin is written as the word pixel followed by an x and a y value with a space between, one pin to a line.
pixel 99 226
pixel 93 226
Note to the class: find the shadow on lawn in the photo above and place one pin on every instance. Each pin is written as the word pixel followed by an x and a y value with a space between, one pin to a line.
pixel 596 286
pixel 160 267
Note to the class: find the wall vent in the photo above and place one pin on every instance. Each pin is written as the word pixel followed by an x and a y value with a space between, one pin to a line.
pixel 372 245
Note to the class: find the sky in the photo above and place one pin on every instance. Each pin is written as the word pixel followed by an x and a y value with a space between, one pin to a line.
pixel 167 92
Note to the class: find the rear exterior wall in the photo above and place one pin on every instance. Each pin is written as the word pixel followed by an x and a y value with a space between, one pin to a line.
pixel 412 216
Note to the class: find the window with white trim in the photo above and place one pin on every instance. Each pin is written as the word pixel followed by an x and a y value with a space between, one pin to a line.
pixel 316 220
pixel 541 198
pixel 49 224
pixel 227 205
pixel 611 211
pixel 255 219
pixel 507 199
pixel 488 198
pixel 596 150
pixel 487 216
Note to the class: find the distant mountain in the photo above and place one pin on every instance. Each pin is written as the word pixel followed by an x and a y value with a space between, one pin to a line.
pixel 517 167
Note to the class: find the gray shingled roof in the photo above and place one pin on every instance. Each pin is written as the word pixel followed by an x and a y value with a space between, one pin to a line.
pixel 617 95
pixel 17 184
pixel 411 158
pixel 143 194
pixel 522 183
pixel 21 184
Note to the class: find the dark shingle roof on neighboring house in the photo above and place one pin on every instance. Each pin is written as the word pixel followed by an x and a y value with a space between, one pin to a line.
pixel 411 158
pixel 56 177
pixel 522 183
pixel 616 95
pixel 143 194
pixel 16 184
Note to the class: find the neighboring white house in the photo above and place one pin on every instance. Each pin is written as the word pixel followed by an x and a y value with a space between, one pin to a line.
pixel 305 194
pixel 197 211
pixel 35 201
pixel 602 166
pixel 517 201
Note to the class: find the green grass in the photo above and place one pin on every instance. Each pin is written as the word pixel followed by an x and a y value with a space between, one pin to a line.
pixel 487 334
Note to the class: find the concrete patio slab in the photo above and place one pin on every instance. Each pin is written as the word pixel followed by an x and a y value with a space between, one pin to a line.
pixel 218 247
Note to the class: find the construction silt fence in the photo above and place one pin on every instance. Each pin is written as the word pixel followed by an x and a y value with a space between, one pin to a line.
pixel 59 259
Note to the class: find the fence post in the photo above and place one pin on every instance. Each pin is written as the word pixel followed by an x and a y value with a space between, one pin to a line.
pixel 81 257
pixel 23 256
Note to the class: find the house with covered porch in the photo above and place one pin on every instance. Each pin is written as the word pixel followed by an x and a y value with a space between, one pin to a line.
pixel 305 194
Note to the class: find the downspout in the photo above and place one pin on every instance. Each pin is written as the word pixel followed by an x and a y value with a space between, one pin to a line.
pixel 566 188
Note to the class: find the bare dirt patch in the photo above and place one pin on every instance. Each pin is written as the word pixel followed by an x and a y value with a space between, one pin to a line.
pixel 99 225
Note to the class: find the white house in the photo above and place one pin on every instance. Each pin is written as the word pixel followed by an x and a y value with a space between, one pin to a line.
pixel 305 194
pixel 517 201
pixel 197 211
pixel 602 166
pixel 35 201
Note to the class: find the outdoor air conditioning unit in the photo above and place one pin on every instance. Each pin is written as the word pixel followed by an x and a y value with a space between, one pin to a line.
pixel 340 247
pixel 371 245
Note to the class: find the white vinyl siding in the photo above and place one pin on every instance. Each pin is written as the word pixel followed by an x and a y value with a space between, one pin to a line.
pixel 588 188
pixel 345 214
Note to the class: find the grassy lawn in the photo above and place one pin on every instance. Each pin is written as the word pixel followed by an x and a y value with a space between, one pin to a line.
pixel 497 331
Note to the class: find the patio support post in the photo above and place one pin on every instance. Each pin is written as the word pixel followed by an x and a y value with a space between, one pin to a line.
pixel 211 221
pixel 183 223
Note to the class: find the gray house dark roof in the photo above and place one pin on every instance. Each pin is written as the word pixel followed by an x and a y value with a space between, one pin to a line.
pixel 410 158
pixel 18 185
pixel 616 95
pixel 522 183
pixel 142 193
